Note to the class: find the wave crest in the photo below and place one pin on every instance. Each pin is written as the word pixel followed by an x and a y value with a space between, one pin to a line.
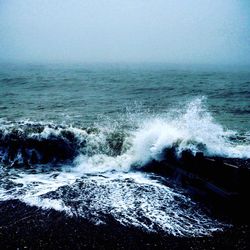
pixel 27 143
pixel 192 128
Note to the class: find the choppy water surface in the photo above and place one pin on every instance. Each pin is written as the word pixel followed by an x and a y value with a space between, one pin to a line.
pixel 74 138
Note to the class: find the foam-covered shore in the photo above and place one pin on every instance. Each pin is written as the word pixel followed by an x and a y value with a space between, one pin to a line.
pixel 98 172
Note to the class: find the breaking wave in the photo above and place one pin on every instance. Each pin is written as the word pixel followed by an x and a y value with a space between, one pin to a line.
pixel 29 143
pixel 95 172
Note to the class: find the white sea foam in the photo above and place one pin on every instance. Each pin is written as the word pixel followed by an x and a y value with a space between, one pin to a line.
pixel 194 129
pixel 100 181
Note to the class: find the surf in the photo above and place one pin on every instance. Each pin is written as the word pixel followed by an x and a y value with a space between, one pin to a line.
pixel 98 171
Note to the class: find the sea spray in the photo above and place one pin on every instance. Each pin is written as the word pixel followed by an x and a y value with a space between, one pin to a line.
pixel 102 176
pixel 192 129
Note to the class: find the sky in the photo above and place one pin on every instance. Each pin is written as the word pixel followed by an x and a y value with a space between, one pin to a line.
pixel 157 31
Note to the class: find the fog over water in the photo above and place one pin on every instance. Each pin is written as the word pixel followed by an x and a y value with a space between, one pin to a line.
pixel 196 32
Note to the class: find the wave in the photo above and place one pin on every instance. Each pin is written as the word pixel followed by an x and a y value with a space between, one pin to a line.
pixel 193 129
pixel 28 143
pixel 92 172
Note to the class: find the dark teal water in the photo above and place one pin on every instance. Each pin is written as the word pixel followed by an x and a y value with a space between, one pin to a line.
pixel 80 94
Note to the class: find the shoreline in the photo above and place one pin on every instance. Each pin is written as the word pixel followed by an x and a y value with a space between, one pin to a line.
pixel 30 227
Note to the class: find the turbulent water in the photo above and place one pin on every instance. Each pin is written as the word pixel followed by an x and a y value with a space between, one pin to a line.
pixel 76 138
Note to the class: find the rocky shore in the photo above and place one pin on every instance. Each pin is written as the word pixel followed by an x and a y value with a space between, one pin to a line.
pixel 28 227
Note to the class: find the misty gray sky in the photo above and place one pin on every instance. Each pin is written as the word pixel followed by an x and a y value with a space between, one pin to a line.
pixel 86 31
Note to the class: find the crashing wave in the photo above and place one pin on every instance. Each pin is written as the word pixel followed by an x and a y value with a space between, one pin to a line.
pixel 194 129
pixel 97 174
pixel 26 144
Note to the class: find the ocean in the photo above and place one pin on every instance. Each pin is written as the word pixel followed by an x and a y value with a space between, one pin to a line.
pixel 75 138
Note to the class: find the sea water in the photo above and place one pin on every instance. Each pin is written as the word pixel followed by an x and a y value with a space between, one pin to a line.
pixel 75 138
